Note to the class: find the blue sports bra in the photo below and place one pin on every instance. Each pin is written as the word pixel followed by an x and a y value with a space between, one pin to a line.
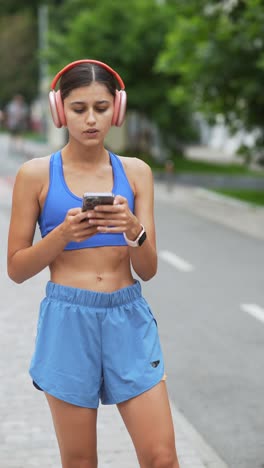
pixel 60 199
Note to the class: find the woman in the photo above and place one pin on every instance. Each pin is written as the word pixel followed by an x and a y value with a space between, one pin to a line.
pixel 96 337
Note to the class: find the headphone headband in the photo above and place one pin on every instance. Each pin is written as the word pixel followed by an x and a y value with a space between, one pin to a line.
pixel 78 62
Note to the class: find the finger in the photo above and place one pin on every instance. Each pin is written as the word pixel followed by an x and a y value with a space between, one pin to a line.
pixel 77 218
pixel 108 209
pixel 108 222
pixel 83 216
pixel 85 226
pixel 89 231
pixel 74 211
pixel 104 208
pixel 112 223
pixel 113 229
pixel 85 233
pixel 119 200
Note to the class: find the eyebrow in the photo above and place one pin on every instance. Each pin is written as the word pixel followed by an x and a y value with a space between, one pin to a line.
pixel 104 101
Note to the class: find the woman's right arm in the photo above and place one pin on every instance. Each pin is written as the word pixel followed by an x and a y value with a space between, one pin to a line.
pixel 24 259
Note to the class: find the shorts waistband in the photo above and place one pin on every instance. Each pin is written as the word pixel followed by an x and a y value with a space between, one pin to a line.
pixel 90 298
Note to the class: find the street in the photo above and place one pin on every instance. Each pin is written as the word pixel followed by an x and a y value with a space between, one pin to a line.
pixel 214 348
pixel 210 275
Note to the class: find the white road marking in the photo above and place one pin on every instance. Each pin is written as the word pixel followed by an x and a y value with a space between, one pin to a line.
pixel 254 310
pixel 176 261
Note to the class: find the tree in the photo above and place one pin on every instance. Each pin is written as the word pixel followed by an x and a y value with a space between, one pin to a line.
pixel 19 73
pixel 13 7
pixel 130 39
pixel 19 50
pixel 215 54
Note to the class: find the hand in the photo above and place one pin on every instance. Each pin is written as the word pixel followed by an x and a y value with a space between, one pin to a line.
pixel 76 226
pixel 115 218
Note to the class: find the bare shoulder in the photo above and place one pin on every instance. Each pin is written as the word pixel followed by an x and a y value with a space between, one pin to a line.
pixel 35 170
pixel 136 166
pixel 139 175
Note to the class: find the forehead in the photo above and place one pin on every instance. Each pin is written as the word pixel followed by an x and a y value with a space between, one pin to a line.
pixel 94 91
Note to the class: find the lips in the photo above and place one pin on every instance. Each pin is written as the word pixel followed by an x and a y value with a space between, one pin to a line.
pixel 91 131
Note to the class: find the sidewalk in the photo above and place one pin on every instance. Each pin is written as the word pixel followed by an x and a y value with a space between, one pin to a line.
pixel 115 449
pixel 27 148
pixel 241 216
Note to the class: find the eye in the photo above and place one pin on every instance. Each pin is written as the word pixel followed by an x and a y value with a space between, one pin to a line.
pixel 101 109
pixel 78 111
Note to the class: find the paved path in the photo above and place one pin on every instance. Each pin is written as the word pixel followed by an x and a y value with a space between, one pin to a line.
pixel 241 216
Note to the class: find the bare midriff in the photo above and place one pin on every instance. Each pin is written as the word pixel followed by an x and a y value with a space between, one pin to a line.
pixel 102 269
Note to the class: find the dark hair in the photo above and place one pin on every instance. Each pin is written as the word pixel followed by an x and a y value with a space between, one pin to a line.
pixel 83 75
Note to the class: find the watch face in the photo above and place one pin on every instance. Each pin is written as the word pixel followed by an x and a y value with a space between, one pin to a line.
pixel 142 238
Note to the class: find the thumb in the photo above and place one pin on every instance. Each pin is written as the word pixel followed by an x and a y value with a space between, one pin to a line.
pixel 119 200
pixel 74 211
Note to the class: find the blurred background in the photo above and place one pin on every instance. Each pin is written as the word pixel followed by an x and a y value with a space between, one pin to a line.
pixel 193 73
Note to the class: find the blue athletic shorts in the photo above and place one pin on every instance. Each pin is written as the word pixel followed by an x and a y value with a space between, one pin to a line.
pixel 93 345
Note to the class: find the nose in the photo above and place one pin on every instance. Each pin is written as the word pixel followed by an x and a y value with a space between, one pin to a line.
pixel 90 117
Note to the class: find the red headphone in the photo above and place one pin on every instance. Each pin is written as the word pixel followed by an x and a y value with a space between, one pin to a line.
pixel 56 103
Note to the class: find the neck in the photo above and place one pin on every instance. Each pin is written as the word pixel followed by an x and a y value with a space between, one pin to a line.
pixel 79 153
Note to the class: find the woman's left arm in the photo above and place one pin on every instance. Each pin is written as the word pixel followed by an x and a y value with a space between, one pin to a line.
pixel 144 257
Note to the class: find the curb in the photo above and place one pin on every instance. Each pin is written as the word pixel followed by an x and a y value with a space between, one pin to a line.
pixel 221 198
pixel 200 454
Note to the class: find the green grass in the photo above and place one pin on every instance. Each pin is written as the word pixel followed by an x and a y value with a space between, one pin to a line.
pixel 206 167
pixel 34 136
pixel 183 165
pixel 29 135
pixel 251 196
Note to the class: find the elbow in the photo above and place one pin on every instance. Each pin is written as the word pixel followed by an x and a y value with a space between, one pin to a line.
pixel 14 276
pixel 16 279
pixel 147 277
pixel 149 274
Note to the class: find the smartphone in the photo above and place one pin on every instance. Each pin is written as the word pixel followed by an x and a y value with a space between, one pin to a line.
pixel 92 199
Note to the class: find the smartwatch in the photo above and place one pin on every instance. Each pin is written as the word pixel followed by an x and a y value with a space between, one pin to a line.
pixel 139 240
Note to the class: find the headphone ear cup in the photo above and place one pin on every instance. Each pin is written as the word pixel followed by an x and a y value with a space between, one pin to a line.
pixel 116 108
pixel 57 108
pixel 122 108
pixel 53 109
pixel 119 108
pixel 60 108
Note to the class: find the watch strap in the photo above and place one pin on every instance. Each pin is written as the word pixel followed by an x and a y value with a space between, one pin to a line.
pixel 139 240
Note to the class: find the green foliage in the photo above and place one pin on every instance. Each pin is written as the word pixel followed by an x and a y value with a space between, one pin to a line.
pixel 12 7
pixel 130 40
pixel 175 56
pixel 18 39
pixel 19 53
pixel 215 54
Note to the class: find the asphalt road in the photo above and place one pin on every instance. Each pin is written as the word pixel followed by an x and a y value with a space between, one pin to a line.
pixel 213 347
